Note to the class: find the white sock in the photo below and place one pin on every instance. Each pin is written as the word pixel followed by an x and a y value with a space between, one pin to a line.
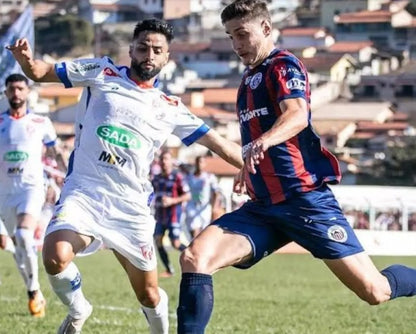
pixel 20 264
pixel 25 243
pixel 158 317
pixel 67 286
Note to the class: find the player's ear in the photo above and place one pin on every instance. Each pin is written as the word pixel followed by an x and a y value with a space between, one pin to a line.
pixel 130 49
pixel 267 28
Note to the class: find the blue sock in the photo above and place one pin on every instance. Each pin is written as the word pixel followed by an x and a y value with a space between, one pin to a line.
pixel 402 280
pixel 196 301
pixel 165 259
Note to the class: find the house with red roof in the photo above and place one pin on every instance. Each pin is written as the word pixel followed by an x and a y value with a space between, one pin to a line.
pixel 295 38
pixel 387 27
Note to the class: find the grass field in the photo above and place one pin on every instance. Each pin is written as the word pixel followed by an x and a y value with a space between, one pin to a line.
pixel 284 294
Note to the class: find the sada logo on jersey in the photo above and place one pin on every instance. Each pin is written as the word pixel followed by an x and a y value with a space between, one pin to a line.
pixel 118 136
pixel 15 156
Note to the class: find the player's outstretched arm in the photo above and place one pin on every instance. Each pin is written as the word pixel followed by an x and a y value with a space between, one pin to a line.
pixel 226 149
pixel 35 69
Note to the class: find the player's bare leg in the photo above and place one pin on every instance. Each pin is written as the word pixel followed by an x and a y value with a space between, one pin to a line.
pixel 153 300
pixel 59 250
pixel 359 274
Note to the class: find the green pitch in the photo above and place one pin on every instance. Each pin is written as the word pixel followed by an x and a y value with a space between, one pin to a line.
pixel 284 294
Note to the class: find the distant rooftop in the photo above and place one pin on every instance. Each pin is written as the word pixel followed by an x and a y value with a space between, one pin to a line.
pixel 365 16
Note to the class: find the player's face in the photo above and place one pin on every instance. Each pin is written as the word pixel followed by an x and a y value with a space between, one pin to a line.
pixel 166 162
pixel 17 93
pixel 248 39
pixel 148 53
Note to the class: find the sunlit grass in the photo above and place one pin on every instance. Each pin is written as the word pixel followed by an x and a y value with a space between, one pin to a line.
pixel 284 294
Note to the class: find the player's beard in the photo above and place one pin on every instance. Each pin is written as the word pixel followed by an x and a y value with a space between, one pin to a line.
pixel 16 104
pixel 142 73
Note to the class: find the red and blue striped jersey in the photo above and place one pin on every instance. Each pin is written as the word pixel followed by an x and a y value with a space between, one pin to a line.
pixel 172 185
pixel 297 165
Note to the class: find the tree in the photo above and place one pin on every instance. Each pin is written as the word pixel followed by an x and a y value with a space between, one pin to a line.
pixel 63 35
pixel 399 164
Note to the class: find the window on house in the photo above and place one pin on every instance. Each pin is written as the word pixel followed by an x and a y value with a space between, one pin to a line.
pixel 406 91
pixel 369 90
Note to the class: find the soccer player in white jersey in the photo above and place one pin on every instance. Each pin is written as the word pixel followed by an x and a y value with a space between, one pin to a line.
pixel 106 195
pixel 23 135
pixel 204 193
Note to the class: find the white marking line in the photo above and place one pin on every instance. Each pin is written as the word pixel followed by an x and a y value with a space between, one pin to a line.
pixel 116 308
pixel 172 315
pixel 9 299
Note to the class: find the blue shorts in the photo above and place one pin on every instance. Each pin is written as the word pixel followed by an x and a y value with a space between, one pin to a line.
pixel 174 228
pixel 313 220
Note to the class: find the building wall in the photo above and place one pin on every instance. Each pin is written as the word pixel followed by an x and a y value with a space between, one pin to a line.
pixel 330 8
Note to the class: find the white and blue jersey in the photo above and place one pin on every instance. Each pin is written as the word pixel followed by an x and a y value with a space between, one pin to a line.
pixel 120 125
pixel 199 208
pixel 123 126
pixel 21 148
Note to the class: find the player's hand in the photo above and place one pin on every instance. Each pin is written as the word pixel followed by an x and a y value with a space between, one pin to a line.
pixel 255 154
pixel 21 50
pixel 167 201
pixel 239 186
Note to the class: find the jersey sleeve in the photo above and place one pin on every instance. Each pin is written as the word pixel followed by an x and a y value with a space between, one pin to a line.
pixel 182 184
pixel 189 128
pixel 290 78
pixel 49 137
pixel 82 72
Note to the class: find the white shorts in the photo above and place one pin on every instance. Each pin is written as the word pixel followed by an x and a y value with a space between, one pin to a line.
pixel 198 217
pixel 28 201
pixel 114 223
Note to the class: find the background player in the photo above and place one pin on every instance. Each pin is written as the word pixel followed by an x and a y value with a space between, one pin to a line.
pixel 171 191
pixel 204 196
pixel 22 194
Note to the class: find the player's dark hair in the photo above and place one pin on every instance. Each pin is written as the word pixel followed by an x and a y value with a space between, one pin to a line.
pixel 16 77
pixel 245 9
pixel 154 25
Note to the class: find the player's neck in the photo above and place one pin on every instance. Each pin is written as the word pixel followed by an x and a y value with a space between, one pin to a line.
pixel 167 172
pixel 263 54
pixel 18 112
pixel 141 83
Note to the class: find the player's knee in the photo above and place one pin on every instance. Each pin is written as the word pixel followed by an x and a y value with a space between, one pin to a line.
pixel 149 297
pixel 193 261
pixel 55 263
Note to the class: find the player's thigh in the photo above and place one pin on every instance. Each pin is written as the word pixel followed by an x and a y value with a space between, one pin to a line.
pixel 359 274
pixel 144 283
pixel 215 248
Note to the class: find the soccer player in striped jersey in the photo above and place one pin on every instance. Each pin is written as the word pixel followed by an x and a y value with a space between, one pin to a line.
pixel 106 196
pixel 286 175
pixel 171 191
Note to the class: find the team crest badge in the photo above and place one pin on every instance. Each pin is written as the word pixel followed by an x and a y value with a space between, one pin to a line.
pixel 255 80
pixel 337 233
pixel 147 252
